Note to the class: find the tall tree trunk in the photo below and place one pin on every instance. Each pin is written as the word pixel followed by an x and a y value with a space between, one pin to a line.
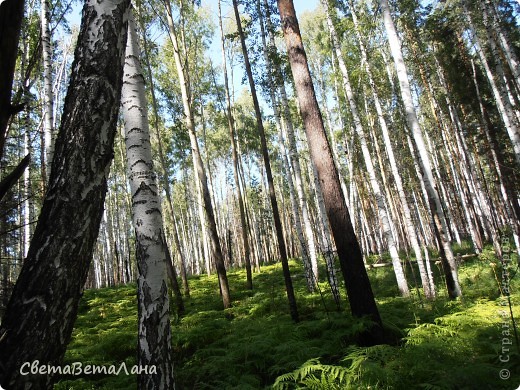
pixel 361 298
pixel 154 336
pixel 231 125
pixel 11 15
pixel 40 316
pixel 508 51
pixel 265 154
pixel 310 265
pixel 499 91
pixel 440 225
pixel 48 101
pixel 374 182
pixel 216 250
pixel 162 160
pixel 293 150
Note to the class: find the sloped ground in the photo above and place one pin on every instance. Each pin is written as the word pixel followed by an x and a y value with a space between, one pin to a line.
pixel 445 344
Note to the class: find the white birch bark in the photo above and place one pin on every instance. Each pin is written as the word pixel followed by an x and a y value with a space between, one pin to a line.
pixel 503 191
pixel 449 265
pixel 48 101
pixel 213 239
pixel 374 182
pixel 154 336
pixel 410 228
pixel 500 94
pixel 503 39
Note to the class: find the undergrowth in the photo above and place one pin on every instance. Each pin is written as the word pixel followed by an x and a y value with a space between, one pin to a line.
pixel 444 344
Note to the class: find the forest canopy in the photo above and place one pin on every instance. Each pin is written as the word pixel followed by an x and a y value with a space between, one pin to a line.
pixel 174 174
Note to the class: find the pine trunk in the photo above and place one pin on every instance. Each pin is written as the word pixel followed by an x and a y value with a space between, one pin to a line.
pixel 361 298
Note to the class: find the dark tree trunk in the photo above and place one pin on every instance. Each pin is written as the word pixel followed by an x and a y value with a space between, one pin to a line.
pixel 11 15
pixel 272 195
pixel 361 298
pixel 11 179
pixel 234 151
pixel 40 316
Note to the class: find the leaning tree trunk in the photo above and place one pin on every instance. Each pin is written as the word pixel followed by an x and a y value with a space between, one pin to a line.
pixel 499 90
pixel 293 151
pixel 265 154
pixel 433 198
pixel 40 316
pixel 410 228
pixel 275 74
pixel 154 336
pixel 374 182
pixel 360 295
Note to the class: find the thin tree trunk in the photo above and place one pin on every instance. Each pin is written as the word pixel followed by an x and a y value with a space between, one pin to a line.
pixel 48 101
pixel 216 250
pixel 272 196
pixel 502 100
pixel 440 225
pixel 231 125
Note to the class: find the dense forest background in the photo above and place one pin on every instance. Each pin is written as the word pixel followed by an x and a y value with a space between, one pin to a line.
pixel 419 103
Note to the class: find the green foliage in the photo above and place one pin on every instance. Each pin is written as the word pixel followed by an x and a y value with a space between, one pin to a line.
pixel 442 344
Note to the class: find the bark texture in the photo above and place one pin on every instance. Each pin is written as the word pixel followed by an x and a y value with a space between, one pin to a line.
pixel 154 335
pixel 360 295
pixel 432 196
pixel 48 98
pixel 11 15
pixel 40 316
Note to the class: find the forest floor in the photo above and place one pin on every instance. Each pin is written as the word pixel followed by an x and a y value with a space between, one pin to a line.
pixel 445 344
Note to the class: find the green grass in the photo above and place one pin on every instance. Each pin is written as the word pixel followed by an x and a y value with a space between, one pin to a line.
pixel 445 344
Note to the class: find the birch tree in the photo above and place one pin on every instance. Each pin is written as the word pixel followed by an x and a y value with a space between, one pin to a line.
pixel 496 80
pixel 269 175
pixel 433 198
pixel 154 336
pixel 48 100
pixel 40 315
pixel 374 182
pixel 182 73
pixel 410 228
